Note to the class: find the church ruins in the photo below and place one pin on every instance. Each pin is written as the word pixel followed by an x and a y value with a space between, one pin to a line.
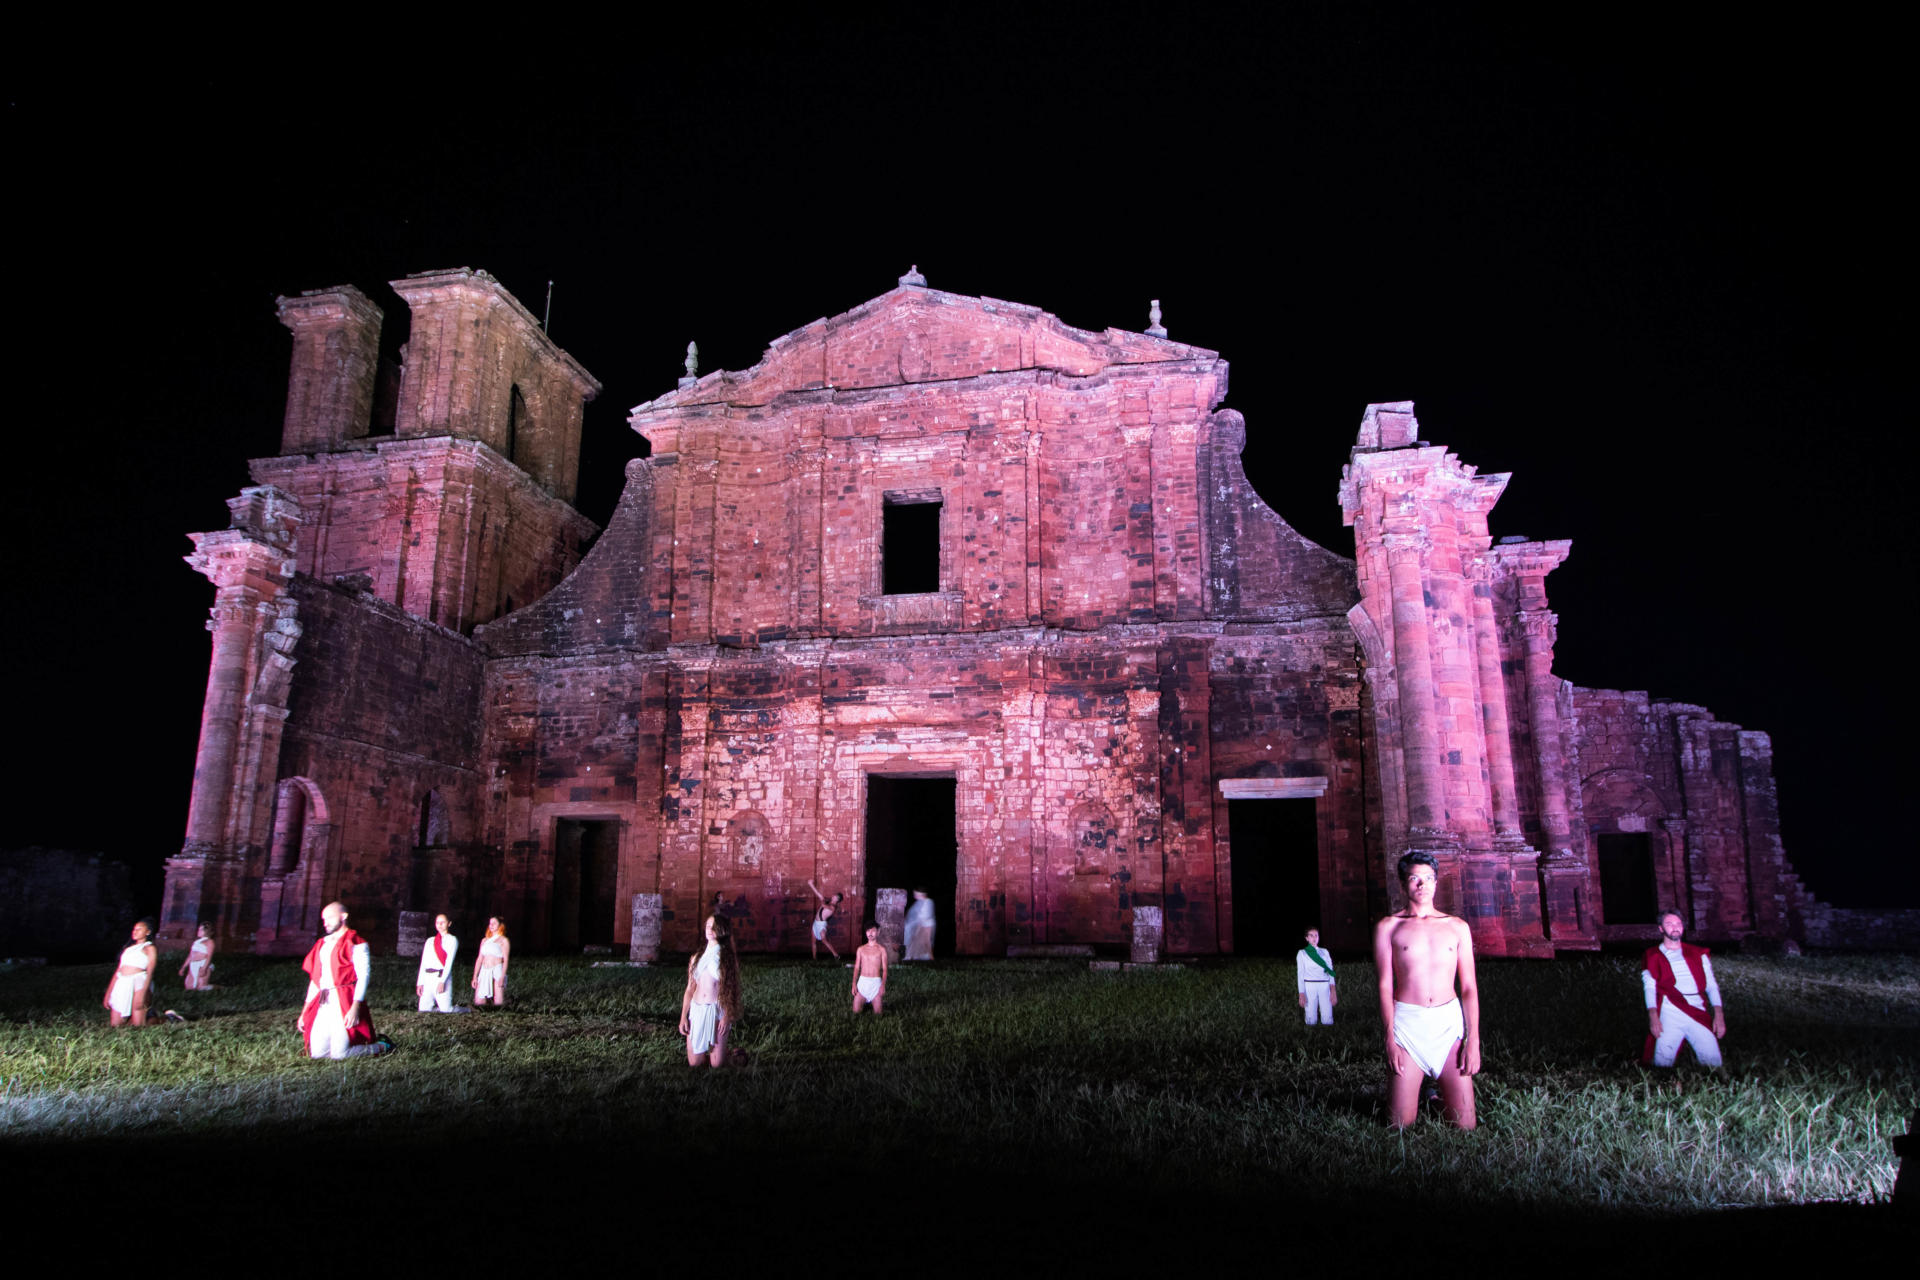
pixel 941 591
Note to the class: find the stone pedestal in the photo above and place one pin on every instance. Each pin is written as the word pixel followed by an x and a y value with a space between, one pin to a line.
pixel 645 947
pixel 1147 932
pixel 890 913
pixel 415 928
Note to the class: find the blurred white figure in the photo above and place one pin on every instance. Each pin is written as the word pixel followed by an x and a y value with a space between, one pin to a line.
pixel 920 926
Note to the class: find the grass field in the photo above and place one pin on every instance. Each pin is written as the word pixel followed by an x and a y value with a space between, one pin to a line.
pixel 1035 1100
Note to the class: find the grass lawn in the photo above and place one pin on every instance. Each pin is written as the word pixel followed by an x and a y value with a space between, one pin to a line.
pixel 1003 1112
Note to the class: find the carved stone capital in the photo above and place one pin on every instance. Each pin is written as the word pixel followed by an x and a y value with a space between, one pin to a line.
pixel 1539 628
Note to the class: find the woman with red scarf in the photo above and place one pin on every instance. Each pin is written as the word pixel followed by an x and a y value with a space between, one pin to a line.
pixel 434 983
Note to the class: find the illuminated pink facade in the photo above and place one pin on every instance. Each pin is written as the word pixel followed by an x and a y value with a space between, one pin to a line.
pixel 1133 683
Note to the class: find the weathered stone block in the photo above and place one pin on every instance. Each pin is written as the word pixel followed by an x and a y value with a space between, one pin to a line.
pixel 645 945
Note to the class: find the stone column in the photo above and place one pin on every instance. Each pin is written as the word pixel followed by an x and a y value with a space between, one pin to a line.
pixel 250 564
pixel 1537 631
pixel 235 615
pixel 1413 673
pixel 336 357
pixel 1493 705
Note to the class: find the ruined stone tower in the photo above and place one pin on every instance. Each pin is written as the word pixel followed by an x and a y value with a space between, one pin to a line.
pixel 367 555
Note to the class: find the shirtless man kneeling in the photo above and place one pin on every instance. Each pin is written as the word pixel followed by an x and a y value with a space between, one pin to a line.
pixel 870 972
pixel 1420 954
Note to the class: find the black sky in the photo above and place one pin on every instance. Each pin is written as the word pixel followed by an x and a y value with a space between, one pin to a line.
pixel 1648 266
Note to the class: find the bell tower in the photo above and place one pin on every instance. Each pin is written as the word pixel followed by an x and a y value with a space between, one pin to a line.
pixel 464 511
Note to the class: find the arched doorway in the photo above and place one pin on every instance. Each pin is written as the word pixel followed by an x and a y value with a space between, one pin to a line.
pixel 294 887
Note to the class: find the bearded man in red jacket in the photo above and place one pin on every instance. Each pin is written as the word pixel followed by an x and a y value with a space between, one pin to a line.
pixel 335 1020
pixel 1680 991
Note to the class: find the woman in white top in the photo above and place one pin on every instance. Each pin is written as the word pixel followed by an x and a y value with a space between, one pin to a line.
pixel 490 966
pixel 126 996
pixel 711 1001
pixel 198 969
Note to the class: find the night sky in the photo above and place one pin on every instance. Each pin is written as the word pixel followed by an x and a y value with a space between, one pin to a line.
pixel 1650 269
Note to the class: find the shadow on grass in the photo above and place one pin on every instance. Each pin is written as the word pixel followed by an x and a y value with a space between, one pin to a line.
pixel 677 1190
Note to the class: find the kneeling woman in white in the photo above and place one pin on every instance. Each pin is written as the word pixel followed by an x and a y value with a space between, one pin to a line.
pixel 434 983
pixel 126 998
pixel 711 1001
pixel 198 968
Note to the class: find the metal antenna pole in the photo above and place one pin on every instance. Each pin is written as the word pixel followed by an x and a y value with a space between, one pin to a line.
pixel 546 320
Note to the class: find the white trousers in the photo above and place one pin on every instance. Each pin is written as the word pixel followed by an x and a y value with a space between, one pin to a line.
pixel 434 996
pixel 1676 1026
pixel 1319 1003
pixel 329 1038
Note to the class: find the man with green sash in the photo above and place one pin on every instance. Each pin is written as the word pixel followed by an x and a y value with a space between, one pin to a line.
pixel 1314 969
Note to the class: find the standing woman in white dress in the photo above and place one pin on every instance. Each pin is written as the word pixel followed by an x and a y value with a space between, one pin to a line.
pixel 198 970
pixel 490 966
pixel 126 996
pixel 920 923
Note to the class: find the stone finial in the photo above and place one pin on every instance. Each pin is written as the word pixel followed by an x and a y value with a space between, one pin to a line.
pixel 693 365
pixel 913 277
pixel 1154 327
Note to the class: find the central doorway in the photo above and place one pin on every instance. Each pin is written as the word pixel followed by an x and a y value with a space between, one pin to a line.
pixel 586 863
pixel 1275 866
pixel 912 843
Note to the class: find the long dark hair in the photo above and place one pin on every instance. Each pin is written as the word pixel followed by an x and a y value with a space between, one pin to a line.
pixel 729 967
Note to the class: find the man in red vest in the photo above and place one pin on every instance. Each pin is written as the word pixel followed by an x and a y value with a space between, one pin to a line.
pixel 1679 985
pixel 335 1021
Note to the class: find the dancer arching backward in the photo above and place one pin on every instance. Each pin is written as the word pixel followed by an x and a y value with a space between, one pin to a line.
pixel 711 1003
pixel 823 914
pixel 490 966
pixel 126 996
pixel 198 967
pixel 1420 954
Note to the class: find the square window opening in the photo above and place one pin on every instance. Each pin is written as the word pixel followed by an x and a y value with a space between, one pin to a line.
pixel 909 545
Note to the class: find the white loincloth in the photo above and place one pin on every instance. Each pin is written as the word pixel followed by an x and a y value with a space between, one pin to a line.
pixel 870 989
pixel 820 930
pixel 703 1027
pixel 493 979
pixel 1429 1035
pixel 120 999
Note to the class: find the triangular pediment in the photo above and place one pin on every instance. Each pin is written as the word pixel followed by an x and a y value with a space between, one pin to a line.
pixel 913 335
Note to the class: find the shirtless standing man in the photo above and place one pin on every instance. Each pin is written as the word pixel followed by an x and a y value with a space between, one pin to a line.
pixel 1420 954
pixel 870 972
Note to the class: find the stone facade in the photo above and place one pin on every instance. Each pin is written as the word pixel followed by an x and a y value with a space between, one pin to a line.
pixel 1114 658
